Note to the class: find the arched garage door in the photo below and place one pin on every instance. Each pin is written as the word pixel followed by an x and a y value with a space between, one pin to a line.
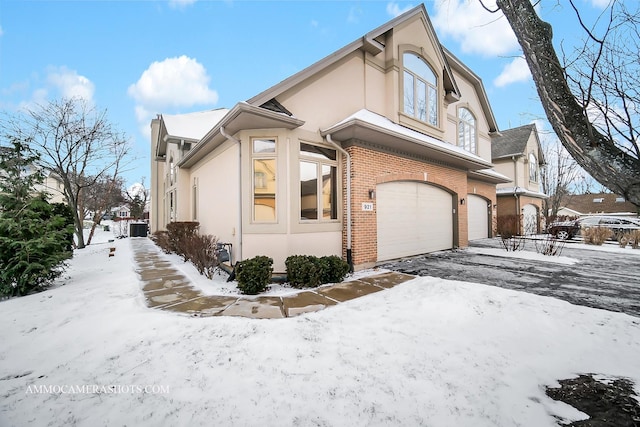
pixel 413 218
pixel 530 219
pixel 478 215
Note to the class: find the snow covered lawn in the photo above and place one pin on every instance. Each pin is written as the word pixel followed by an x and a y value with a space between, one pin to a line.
pixel 428 352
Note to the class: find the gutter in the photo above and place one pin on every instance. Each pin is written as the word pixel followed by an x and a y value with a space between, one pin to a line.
pixel 224 133
pixel 348 157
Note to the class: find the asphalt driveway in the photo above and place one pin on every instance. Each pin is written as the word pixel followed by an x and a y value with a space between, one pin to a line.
pixel 600 279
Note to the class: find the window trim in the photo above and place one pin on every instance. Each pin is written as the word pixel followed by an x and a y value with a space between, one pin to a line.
pixel 263 156
pixel 473 127
pixel 428 85
pixel 534 173
pixel 319 162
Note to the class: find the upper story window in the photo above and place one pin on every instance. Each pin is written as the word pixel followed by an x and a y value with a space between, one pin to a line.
pixel 172 172
pixel 420 89
pixel 467 130
pixel 263 162
pixel 318 183
pixel 533 168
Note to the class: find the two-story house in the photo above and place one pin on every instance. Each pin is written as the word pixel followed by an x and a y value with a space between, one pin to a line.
pixel 380 150
pixel 517 153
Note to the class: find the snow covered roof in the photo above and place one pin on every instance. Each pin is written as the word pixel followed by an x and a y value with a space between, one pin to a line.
pixel 520 191
pixel 192 125
pixel 368 126
pixel 491 175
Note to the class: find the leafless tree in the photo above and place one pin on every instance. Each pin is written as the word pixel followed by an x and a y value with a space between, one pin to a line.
pixel 558 177
pixel 592 101
pixel 103 195
pixel 75 141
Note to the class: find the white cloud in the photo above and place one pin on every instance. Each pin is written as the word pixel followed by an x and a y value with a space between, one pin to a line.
pixel 477 30
pixel 516 71
pixel 354 14
pixel 179 82
pixel 181 4
pixel 600 4
pixel 70 84
pixel 1 31
pixel 394 9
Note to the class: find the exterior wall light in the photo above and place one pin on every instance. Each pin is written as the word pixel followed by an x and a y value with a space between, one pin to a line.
pixel 372 194
pixel 462 201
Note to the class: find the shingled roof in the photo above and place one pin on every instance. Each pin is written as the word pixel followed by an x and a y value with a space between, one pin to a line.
pixel 598 203
pixel 512 142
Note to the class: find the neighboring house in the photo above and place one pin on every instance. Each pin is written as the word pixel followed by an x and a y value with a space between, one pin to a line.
pixel 52 184
pixel 54 187
pixel 121 212
pixel 517 154
pixel 591 204
pixel 380 150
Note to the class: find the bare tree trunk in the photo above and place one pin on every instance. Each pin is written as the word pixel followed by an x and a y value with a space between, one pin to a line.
pixel 595 152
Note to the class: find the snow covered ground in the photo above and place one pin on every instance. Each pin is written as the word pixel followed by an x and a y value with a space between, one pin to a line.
pixel 428 352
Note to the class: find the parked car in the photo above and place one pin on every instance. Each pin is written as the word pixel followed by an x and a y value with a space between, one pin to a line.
pixel 565 230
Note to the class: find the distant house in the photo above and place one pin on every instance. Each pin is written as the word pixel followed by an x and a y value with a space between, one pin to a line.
pixel 517 154
pixel 54 187
pixel 52 184
pixel 380 150
pixel 600 203
pixel 121 212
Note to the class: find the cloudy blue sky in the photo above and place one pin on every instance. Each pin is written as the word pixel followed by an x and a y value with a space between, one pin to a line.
pixel 139 58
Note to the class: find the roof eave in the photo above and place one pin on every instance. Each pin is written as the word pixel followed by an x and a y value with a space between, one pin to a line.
pixel 357 129
pixel 481 175
pixel 241 116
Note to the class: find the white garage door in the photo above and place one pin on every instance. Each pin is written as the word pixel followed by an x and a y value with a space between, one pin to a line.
pixel 478 215
pixel 413 218
pixel 530 219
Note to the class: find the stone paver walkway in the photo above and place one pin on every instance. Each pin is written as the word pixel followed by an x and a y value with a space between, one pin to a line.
pixel 165 288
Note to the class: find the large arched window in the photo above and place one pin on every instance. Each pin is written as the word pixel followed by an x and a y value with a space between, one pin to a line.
pixel 533 168
pixel 467 130
pixel 420 89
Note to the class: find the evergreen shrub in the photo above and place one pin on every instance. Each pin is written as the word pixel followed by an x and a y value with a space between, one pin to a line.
pixel 254 274
pixel 334 269
pixel 303 271
pixel 307 271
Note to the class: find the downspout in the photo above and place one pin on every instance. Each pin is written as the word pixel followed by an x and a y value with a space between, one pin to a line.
pixel 224 133
pixel 348 157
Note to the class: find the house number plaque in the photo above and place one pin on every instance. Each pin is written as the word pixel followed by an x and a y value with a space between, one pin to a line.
pixel 367 206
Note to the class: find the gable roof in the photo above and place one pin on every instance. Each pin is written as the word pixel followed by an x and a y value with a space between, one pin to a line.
pixel 513 143
pixel 367 43
pixel 476 81
pixel 598 203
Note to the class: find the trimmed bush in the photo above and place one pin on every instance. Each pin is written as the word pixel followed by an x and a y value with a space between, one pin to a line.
pixel 303 271
pixel 596 235
pixel 254 274
pixel 334 269
pixel 306 271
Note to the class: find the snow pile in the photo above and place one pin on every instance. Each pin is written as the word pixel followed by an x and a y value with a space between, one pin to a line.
pixel 428 352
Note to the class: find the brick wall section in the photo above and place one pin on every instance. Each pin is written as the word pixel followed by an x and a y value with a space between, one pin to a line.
pixel 370 168
pixel 507 206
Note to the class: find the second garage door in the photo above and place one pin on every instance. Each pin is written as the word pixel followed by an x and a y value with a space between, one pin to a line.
pixel 478 214
pixel 413 218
